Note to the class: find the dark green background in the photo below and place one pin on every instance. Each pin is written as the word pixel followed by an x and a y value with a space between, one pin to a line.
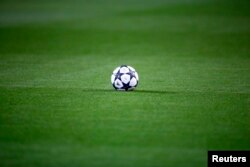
pixel 58 107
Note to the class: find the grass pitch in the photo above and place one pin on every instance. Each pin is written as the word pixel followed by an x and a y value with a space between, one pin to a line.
pixel 57 105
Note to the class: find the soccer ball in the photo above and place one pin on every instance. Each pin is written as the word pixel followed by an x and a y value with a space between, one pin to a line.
pixel 124 78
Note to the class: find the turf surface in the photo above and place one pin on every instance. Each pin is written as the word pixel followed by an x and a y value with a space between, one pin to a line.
pixel 58 108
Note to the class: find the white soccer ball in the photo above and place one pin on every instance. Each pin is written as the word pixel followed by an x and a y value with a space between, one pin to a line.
pixel 124 78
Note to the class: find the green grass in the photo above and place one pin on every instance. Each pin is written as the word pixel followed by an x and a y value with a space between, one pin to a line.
pixel 58 108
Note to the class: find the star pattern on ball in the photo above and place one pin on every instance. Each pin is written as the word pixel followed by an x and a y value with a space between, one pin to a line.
pixel 124 78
